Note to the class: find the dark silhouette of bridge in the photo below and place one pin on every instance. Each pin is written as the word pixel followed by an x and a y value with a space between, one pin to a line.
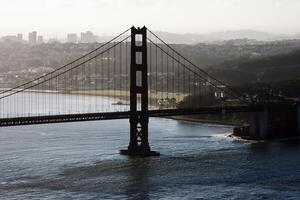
pixel 134 76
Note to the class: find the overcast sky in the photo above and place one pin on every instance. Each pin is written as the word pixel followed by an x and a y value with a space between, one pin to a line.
pixel 57 17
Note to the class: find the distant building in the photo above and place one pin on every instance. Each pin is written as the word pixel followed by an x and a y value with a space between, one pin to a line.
pixel 220 94
pixel 20 37
pixel 72 38
pixel 32 37
pixel 40 70
pixel 9 38
pixel 40 39
pixel 88 37
pixel 53 40
pixel 12 38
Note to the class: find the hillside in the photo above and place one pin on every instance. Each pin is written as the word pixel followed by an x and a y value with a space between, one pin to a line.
pixel 194 38
pixel 266 69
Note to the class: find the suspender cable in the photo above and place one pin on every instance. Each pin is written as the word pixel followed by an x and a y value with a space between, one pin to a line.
pixel 150 74
pixel 156 74
pixel 68 64
pixel 167 76
pixel 197 73
pixel 237 94
pixel 57 75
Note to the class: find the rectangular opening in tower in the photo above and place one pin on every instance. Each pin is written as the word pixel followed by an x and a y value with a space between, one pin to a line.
pixel 138 78
pixel 138 58
pixel 139 102
pixel 138 40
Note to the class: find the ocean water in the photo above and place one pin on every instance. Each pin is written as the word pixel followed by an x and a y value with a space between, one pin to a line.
pixel 198 161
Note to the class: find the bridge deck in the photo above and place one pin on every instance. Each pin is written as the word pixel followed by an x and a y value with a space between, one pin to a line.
pixel 123 115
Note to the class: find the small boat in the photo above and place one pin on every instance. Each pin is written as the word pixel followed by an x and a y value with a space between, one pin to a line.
pixel 120 103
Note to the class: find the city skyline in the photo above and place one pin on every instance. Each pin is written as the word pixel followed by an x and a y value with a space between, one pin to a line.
pixel 33 37
pixel 228 35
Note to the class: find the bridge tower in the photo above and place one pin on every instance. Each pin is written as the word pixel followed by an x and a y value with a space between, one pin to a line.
pixel 139 119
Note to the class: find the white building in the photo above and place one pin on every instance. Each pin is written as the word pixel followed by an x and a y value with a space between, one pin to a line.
pixel 32 37
pixel 40 39
pixel 88 37
pixel 72 38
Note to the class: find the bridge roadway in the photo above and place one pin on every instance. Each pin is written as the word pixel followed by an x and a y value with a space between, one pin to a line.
pixel 123 115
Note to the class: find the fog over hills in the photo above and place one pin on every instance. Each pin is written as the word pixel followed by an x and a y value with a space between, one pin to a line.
pixel 191 38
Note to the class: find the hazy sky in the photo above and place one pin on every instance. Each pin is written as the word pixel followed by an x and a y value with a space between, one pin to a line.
pixel 57 17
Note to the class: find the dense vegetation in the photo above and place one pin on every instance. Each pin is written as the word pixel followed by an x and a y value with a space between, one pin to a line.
pixel 266 69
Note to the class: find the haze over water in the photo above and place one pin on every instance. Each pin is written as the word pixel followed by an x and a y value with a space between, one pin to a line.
pixel 198 161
